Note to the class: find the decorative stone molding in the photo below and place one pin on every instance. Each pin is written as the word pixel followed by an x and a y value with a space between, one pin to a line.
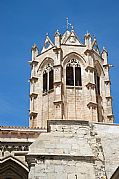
pixel 92 105
pixel 33 79
pixel 33 62
pixel 73 62
pixel 33 113
pixel 109 97
pixel 88 52
pixel 89 68
pixel 14 146
pixel 90 85
pixel 57 102
pixel 33 94
pixel 111 118
pixel 107 82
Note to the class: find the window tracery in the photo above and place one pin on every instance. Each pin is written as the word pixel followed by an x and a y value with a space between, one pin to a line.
pixel 73 73
pixel 48 78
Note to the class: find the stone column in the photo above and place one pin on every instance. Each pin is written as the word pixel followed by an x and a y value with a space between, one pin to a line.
pixel 107 83
pixel 92 104
pixel 58 78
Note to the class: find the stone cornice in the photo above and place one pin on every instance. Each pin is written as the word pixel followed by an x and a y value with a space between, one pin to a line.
pixel 34 158
pixel 57 102
pixel 20 134
pixel 15 146
pixel 20 129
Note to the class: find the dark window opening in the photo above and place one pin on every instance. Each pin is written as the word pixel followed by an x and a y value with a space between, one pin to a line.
pixel 98 85
pixel 44 82
pixel 69 76
pixel 97 82
pixel 51 80
pixel 78 81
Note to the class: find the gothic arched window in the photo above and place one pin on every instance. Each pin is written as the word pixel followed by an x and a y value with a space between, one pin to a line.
pixel 73 73
pixel 48 79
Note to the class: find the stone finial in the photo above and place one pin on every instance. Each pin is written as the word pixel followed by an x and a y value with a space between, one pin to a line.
pixel 57 33
pixel 87 38
pixel 57 39
pixel 87 35
pixel 94 41
pixel 104 55
pixel 34 51
pixel 34 46
pixel 104 49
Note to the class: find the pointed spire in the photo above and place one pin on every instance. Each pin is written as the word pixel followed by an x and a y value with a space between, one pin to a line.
pixel 47 44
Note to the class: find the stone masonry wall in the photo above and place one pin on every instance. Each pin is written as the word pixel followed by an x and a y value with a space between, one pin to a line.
pixel 71 149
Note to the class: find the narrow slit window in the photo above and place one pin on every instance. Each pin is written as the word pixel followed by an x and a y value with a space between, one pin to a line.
pixel 97 82
pixel 69 76
pixel 78 81
pixel 98 85
pixel 44 82
pixel 51 80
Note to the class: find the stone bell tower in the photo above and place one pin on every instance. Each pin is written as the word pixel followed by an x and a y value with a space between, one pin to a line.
pixel 69 81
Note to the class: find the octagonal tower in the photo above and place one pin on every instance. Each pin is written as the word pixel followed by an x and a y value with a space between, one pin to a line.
pixel 69 81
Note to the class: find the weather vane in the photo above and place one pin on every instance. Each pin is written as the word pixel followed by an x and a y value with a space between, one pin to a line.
pixel 69 24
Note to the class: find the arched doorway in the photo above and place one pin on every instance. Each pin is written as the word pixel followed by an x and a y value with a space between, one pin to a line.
pixel 12 168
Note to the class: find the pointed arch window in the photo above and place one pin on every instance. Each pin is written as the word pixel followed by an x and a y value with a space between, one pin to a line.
pixel 48 80
pixel 73 74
